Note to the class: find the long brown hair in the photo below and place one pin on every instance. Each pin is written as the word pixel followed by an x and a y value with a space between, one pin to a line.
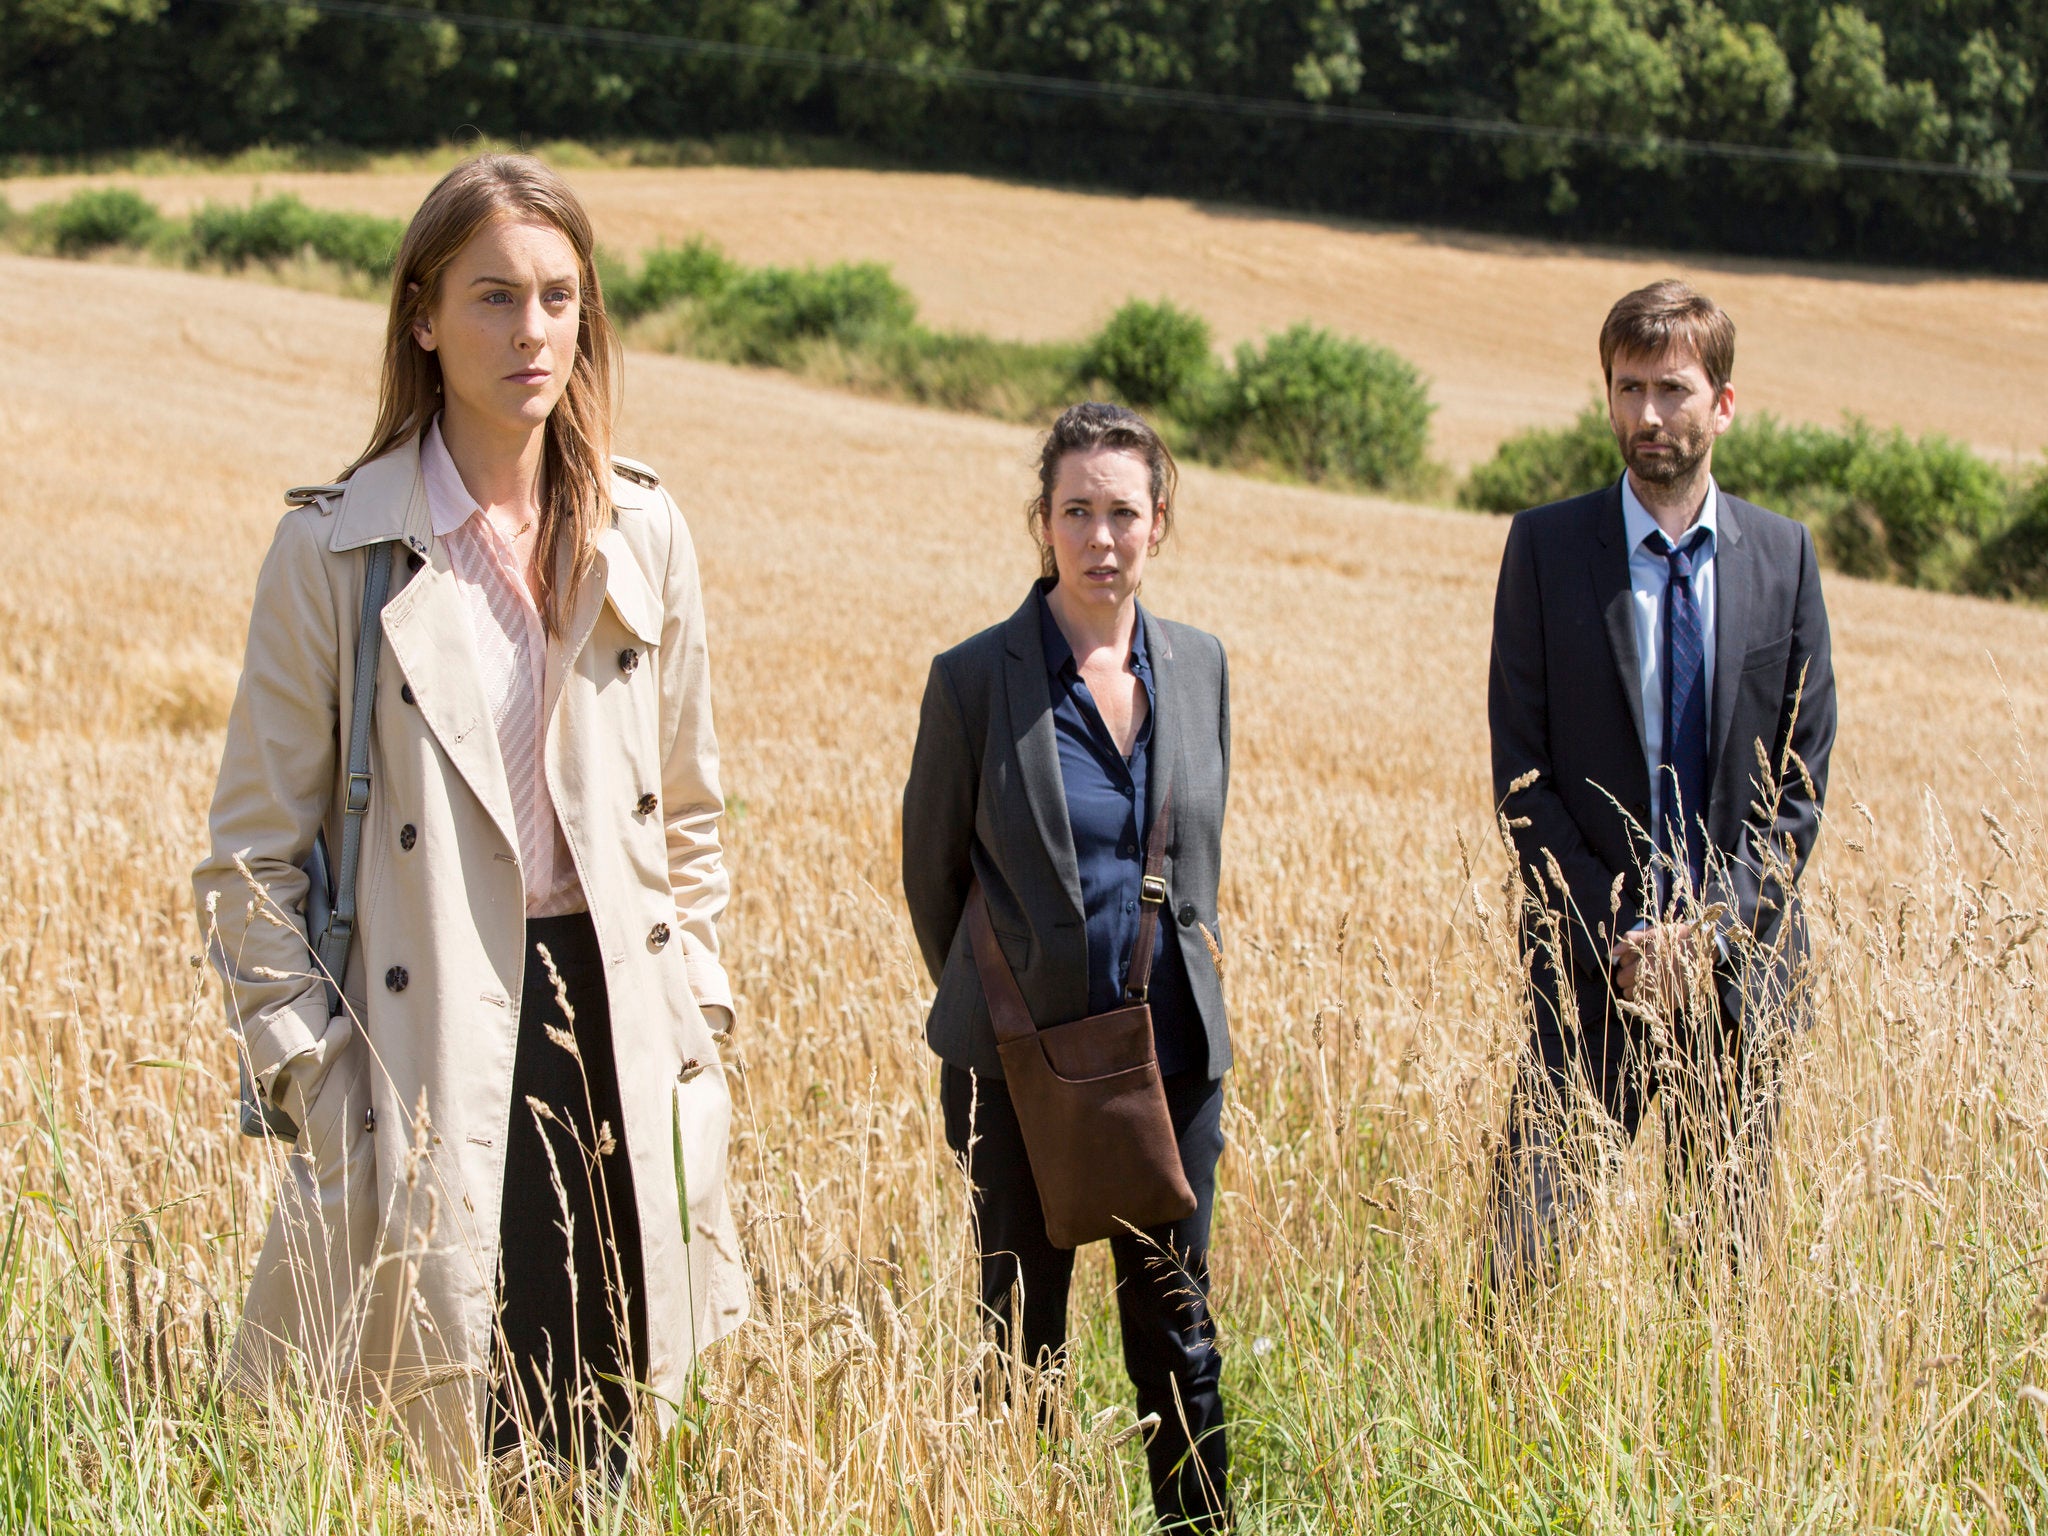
pixel 576 459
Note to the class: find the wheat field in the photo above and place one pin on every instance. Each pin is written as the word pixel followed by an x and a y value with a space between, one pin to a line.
pixel 1502 329
pixel 1881 1369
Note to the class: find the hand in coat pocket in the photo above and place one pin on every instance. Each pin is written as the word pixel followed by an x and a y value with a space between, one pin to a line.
pixel 319 1092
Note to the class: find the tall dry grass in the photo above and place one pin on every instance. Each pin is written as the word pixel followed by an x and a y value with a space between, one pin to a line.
pixel 1878 1371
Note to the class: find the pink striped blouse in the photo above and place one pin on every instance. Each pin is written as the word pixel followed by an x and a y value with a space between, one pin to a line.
pixel 514 657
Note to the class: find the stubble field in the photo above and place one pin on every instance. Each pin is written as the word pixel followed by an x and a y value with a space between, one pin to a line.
pixel 1881 1369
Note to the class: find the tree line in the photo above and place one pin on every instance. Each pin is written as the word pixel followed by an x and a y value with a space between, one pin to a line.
pixel 1956 83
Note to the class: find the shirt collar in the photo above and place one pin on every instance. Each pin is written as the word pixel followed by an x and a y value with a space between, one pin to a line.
pixel 1059 656
pixel 1639 525
pixel 449 503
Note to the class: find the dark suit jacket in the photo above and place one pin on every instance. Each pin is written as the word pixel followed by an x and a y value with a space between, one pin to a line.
pixel 985 799
pixel 1564 703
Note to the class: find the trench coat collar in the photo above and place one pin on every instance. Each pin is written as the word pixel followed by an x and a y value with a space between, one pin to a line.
pixel 427 623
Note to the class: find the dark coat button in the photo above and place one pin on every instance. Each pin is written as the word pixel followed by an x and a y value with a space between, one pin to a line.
pixel 1187 914
pixel 370 1119
pixel 657 936
pixel 647 805
pixel 405 693
pixel 407 836
pixel 396 979
pixel 628 659
pixel 414 561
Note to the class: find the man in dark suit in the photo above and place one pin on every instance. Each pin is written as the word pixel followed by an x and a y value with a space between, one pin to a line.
pixel 1662 705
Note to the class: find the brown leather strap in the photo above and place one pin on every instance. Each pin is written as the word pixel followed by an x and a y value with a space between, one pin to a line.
pixel 1006 1008
pixel 1151 898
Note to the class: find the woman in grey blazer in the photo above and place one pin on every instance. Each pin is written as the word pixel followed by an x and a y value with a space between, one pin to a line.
pixel 1046 746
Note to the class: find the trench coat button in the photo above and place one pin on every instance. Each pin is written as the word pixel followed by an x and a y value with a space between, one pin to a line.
pixel 628 659
pixel 657 936
pixel 1187 914
pixel 647 805
pixel 396 978
pixel 405 693
pixel 370 1119
pixel 407 836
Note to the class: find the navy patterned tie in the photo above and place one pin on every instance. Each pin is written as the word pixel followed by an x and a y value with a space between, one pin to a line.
pixel 1681 836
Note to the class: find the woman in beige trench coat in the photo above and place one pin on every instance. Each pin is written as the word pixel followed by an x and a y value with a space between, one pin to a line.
pixel 542 766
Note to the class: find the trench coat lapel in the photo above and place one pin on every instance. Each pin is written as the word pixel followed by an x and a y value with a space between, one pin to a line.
pixel 1037 748
pixel 1733 583
pixel 1167 719
pixel 1615 598
pixel 426 624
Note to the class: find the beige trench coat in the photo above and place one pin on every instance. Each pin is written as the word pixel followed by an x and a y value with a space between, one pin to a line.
pixel 378 1272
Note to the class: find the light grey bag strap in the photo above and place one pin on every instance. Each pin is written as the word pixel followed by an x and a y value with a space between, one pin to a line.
pixel 331 921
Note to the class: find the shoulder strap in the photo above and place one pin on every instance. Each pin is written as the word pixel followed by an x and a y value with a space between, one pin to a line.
pixel 332 944
pixel 1151 899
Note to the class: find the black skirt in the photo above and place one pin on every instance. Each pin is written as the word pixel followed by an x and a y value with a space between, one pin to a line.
pixel 572 1306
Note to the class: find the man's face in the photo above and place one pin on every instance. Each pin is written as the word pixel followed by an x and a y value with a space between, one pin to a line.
pixel 1666 414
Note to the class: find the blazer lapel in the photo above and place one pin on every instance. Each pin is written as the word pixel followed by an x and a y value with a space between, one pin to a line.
pixel 1167 716
pixel 1037 747
pixel 1734 580
pixel 1615 598
pixel 427 626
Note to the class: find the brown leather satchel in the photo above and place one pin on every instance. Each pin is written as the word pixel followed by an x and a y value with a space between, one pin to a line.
pixel 1088 1095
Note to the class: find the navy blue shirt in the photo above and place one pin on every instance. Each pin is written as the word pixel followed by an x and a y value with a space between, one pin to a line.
pixel 1106 808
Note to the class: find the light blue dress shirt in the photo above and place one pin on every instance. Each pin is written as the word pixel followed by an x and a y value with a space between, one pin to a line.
pixel 1649 573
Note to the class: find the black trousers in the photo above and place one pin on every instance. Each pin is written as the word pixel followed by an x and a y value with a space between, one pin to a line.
pixel 1715 1083
pixel 572 1320
pixel 1162 1283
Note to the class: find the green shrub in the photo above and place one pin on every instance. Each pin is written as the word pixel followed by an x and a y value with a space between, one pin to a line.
pixel 98 217
pixel 1151 354
pixel 1916 511
pixel 762 316
pixel 669 275
pixel 1327 407
pixel 279 228
pixel 1790 468
pixel 956 371
pixel 2013 562
pixel 1545 464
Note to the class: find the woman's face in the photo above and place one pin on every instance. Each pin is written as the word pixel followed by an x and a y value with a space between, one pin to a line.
pixel 504 324
pixel 1103 525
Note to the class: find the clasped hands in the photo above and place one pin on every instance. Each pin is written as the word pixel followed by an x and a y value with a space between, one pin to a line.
pixel 1649 964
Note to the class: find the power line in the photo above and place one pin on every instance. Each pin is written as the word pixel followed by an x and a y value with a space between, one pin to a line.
pixel 1272 108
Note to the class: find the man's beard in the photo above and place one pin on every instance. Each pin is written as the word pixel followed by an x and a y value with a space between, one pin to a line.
pixel 1673 468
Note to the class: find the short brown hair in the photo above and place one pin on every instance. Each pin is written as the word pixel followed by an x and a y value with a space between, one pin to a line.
pixel 1082 429
pixel 1652 321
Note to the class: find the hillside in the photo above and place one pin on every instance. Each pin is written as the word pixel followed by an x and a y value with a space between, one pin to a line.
pixel 1504 330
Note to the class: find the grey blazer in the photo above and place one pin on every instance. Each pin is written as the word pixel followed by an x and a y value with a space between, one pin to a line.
pixel 985 799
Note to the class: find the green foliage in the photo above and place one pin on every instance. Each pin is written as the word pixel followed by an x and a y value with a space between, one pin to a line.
pixel 1959 84
pixel 280 228
pixel 1926 511
pixel 1545 464
pixel 765 315
pixel 1151 355
pixel 99 217
pixel 668 276
pixel 1327 407
pixel 1917 512
pixel 2014 560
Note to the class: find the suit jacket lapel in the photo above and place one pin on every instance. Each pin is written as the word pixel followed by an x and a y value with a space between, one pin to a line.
pixel 1037 747
pixel 1733 581
pixel 1615 598
pixel 1167 717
